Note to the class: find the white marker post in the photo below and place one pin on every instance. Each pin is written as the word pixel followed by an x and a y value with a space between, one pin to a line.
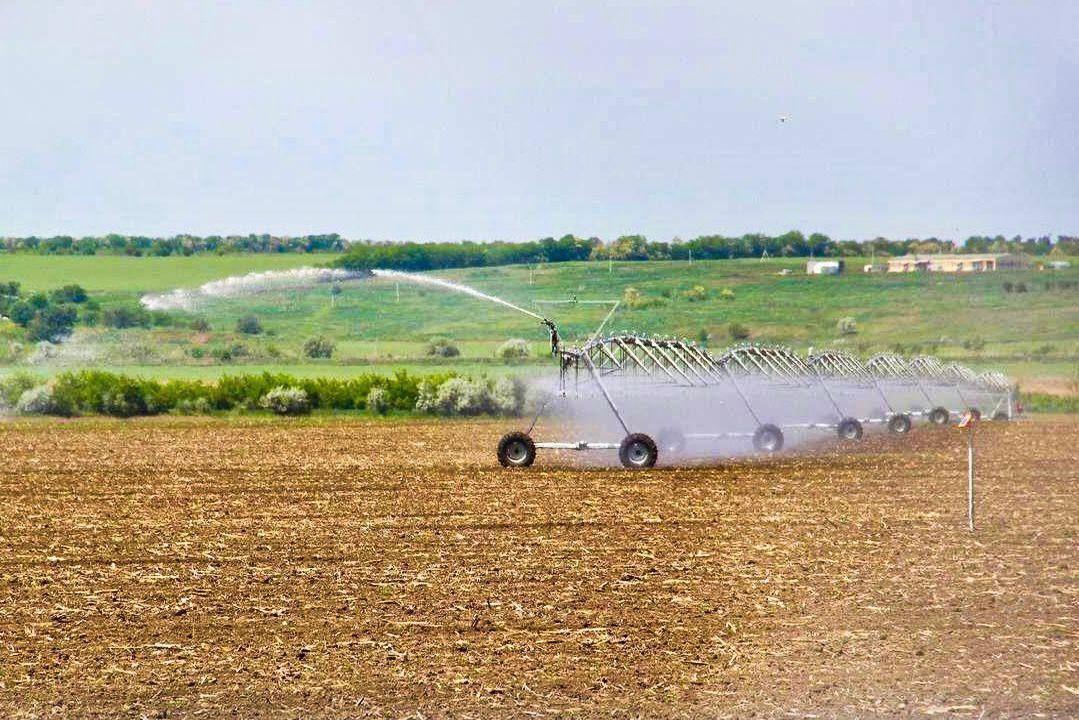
pixel 969 421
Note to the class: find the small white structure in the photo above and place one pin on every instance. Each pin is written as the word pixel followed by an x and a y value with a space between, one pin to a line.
pixel 824 267
pixel 1059 264
pixel 875 267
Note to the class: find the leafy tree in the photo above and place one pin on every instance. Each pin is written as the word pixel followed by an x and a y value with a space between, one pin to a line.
pixel 69 294
pixel 52 323
pixel 125 316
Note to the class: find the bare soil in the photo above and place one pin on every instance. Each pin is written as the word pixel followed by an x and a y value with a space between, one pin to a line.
pixel 183 568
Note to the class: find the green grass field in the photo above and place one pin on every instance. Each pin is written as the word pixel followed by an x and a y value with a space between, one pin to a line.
pixel 378 323
pixel 136 275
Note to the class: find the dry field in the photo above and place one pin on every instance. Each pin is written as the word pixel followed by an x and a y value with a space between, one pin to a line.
pixel 185 568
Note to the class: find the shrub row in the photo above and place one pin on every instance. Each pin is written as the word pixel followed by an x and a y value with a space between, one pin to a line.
pixel 94 392
pixel 1046 403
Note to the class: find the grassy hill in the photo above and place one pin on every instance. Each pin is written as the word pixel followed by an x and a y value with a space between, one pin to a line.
pixel 972 317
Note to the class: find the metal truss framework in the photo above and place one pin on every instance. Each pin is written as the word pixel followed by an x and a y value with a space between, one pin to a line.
pixel 637 361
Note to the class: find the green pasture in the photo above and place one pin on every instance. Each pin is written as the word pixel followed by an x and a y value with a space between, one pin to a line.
pixel 134 275
pixel 377 323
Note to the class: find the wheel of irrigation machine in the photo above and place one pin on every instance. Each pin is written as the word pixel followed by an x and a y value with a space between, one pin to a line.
pixel 1000 415
pixel 849 429
pixel 939 416
pixel 516 450
pixel 672 441
pixel 768 438
pixel 899 424
pixel 638 451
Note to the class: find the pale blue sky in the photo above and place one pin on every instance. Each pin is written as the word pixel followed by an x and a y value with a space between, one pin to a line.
pixel 514 120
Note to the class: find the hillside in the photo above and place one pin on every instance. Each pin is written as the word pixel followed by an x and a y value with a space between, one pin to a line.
pixel 1032 334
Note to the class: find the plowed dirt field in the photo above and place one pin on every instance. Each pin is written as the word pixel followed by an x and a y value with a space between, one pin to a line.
pixel 183 568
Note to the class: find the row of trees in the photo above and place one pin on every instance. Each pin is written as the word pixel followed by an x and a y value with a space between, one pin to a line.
pixel 139 245
pixel 431 256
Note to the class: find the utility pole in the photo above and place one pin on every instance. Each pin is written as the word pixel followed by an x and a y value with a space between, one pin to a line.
pixel 397 288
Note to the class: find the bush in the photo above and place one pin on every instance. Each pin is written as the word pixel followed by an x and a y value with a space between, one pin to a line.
pixel 249 325
pixel 738 331
pixel 377 400
pixel 703 336
pixel 462 396
pixel 635 300
pixel 1021 287
pixel 442 347
pixel 726 294
pixel 696 294
pixel 126 399
pixel 975 344
pixel 1008 286
pixel 513 349
pixel 196 406
pixel 318 347
pixel 508 396
pixel 847 326
pixel 97 392
pixel 69 294
pixel 125 316
pixel 12 388
pixel 200 325
pixel 52 323
pixel 37 401
pixel 286 401
pixel 229 353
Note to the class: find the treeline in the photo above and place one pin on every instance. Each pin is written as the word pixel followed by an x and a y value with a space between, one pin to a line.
pixel 139 245
pixel 434 256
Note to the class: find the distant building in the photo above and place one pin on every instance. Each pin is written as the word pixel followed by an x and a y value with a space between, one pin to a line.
pixel 875 267
pixel 1059 264
pixel 956 263
pixel 824 267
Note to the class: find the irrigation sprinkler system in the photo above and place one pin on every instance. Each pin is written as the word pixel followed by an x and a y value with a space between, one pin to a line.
pixel 618 366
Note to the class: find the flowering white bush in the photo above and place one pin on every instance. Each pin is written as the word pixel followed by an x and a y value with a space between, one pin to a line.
pixel 36 401
pixel 513 349
pixel 508 396
pixel 377 400
pixel 286 401
pixel 426 400
pixel 461 396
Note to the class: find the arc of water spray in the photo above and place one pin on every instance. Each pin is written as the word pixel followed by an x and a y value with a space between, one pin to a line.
pixel 259 282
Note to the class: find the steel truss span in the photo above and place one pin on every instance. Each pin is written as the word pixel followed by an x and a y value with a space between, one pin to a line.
pixel 843 393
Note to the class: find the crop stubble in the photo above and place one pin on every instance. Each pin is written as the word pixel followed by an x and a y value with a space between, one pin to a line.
pixel 180 567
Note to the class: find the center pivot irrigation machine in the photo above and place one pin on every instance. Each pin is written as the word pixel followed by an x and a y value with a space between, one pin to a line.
pixel 767 382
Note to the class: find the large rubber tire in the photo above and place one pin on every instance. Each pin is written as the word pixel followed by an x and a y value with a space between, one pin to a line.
pixel 899 424
pixel 1000 415
pixel 638 452
pixel 768 438
pixel 939 416
pixel 671 441
pixel 849 429
pixel 516 450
